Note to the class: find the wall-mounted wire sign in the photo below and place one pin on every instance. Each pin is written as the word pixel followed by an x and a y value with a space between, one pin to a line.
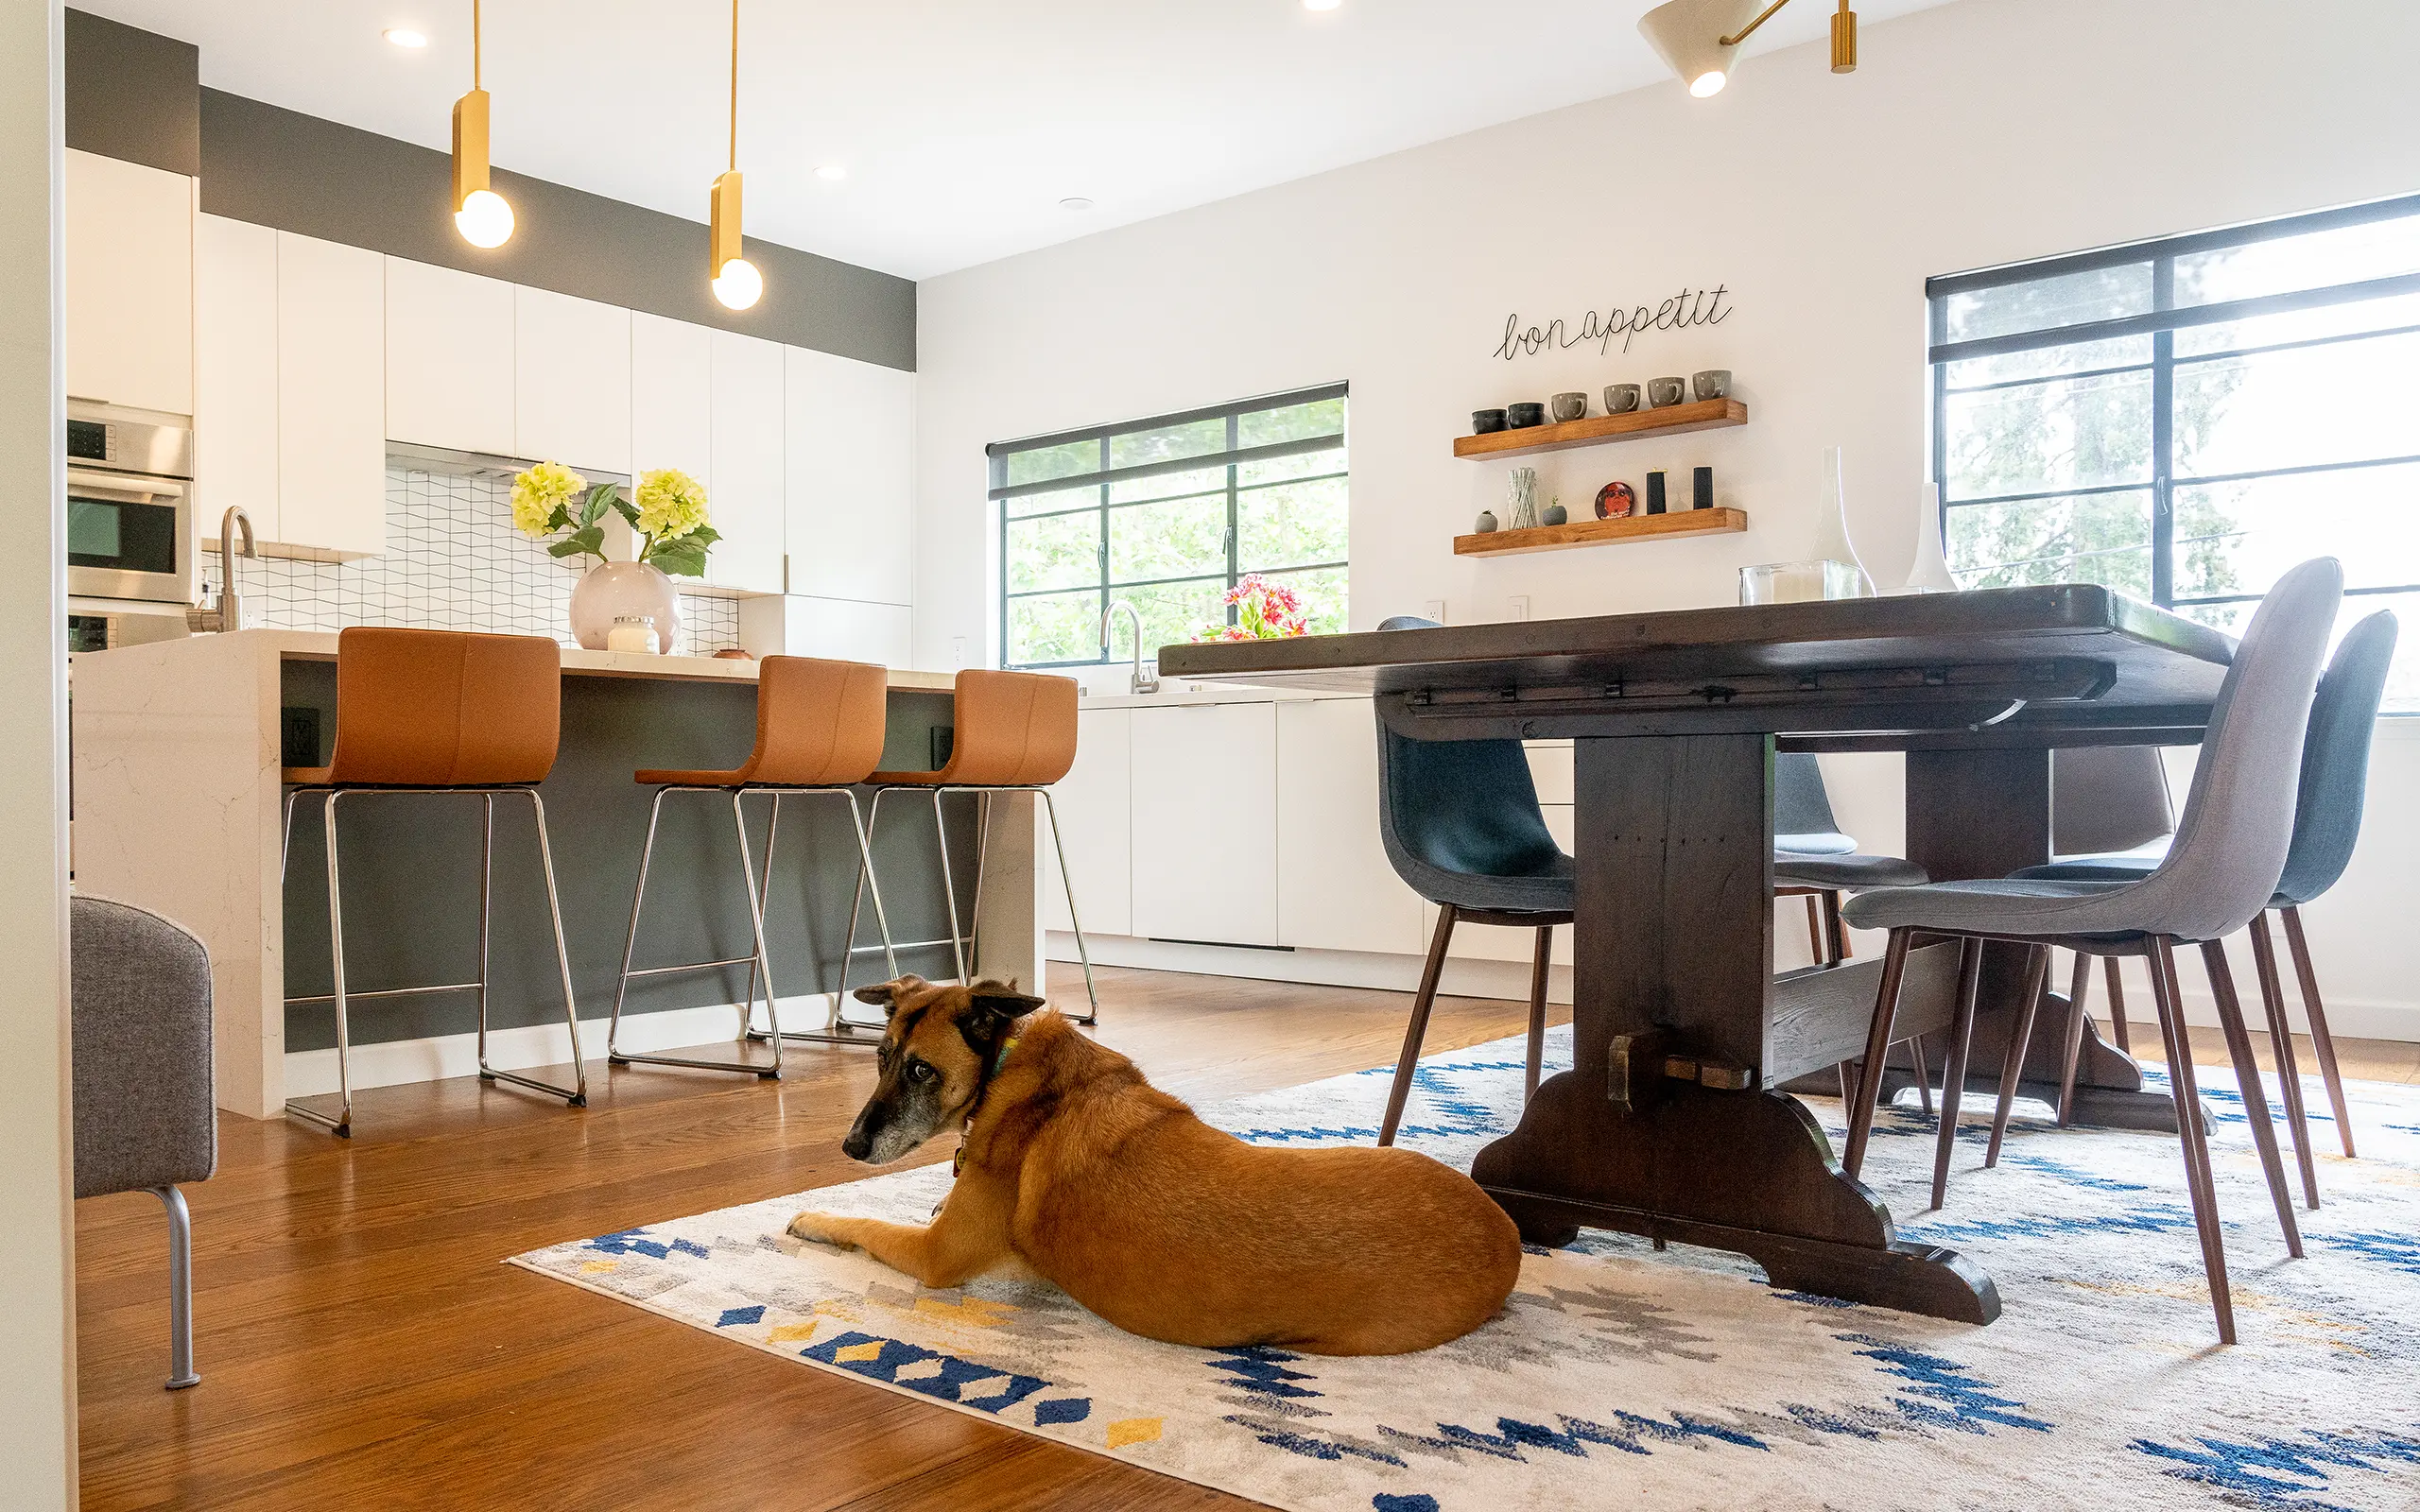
pixel 1689 307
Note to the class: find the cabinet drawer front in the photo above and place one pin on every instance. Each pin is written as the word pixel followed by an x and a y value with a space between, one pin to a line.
pixel 1205 823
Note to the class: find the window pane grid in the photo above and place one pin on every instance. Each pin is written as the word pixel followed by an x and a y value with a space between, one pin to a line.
pixel 2256 449
pixel 1205 497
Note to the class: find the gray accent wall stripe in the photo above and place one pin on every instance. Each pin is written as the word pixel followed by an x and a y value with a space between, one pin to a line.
pixel 278 168
pixel 133 95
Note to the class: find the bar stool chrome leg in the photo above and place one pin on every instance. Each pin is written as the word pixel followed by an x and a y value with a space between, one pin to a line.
pixel 181 1371
pixel 614 1054
pixel 575 1094
pixel 1058 844
pixel 839 1029
pixel 757 926
pixel 341 1126
pixel 949 889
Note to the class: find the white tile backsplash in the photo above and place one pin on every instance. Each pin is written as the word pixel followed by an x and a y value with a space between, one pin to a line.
pixel 454 561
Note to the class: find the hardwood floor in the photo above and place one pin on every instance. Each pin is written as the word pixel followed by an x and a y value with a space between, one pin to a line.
pixel 361 1345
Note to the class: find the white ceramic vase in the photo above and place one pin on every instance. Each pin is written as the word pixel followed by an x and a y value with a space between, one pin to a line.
pixel 1832 541
pixel 614 589
pixel 1930 573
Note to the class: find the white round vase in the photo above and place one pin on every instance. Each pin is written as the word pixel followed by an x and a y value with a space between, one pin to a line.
pixel 614 589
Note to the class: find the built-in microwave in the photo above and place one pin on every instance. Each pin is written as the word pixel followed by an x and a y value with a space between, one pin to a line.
pixel 129 507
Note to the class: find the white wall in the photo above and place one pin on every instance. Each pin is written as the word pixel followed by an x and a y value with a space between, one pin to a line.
pixel 1974 134
pixel 38 1324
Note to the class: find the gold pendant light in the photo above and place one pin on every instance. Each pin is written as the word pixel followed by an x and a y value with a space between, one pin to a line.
pixel 481 213
pixel 734 279
pixel 1698 38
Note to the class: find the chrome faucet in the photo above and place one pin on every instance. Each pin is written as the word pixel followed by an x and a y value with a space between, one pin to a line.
pixel 1137 681
pixel 230 602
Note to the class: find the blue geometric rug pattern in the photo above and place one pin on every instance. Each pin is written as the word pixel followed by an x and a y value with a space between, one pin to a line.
pixel 1619 1377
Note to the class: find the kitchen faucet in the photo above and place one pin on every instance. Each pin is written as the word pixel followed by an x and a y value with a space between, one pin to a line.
pixel 1136 681
pixel 231 603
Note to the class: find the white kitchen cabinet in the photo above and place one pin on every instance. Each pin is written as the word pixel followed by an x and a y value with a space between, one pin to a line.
pixel 1336 890
pixel 128 275
pixel 1094 804
pixel 449 353
pixel 330 397
pixel 849 494
pixel 1206 822
pixel 672 407
pixel 571 383
pixel 748 461
pixel 234 401
pixel 839 628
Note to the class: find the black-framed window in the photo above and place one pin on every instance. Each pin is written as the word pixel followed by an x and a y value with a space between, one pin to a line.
pixel 1168 513
pixel 2184 419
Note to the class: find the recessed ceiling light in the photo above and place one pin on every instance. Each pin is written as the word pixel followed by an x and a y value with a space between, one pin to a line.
pixel 1322 5
pixel 832 172
pixel 405 37
pixel 1075 202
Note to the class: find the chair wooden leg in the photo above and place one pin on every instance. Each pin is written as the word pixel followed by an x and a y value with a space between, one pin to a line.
pixel 2321 1041
pixel 1953 1076
pixel 1538 967
pixel 2078 986
pixel 1924 1073
pixel 2037 975
pixel 2256 1100
pixel 2281 1039
pixel 1836 929
pixel 2188 1123
pixel 1815 932
pixel 2116 1003
pixel 1877 1050
pixel 1417 1029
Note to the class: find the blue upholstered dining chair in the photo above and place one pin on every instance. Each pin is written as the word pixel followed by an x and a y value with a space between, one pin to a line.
pixel 1461 826
pixel 2328 820
pixel 2227 863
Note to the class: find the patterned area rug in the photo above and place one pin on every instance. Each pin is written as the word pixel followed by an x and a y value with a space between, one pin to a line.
pixel 1621 1377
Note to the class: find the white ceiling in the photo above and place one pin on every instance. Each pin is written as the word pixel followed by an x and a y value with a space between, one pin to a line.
pixel 961 123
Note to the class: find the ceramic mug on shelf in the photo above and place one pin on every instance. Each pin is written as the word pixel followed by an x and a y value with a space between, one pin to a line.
pixel 1715 382
pixel 1662 392
pixel 1620 399
pixel 1486 422
pixel 1521 417
pixel 1568 407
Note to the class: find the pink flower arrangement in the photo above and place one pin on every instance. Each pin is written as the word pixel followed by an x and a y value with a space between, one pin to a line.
pixel 1264 612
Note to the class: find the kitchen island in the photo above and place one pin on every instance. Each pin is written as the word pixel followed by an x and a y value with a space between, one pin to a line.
pixel 177 750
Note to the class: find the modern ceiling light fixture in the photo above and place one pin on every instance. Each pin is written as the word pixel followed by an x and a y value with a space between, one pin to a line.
pixel 735 281
pixel 832 173
pixel 1698 39
pixel 405 37
pixel 481 213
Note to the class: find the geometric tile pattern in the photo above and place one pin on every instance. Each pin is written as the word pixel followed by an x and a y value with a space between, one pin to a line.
pixel 1617 1376
pixel 454 561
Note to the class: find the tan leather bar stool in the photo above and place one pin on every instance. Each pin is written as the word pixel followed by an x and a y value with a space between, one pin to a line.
pixel 439 712
pixel 1014 733
pixel 818 732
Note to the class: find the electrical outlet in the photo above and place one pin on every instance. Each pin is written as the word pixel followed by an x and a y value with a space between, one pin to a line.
pixel 1433 609
pixel 957 651
pixel 1520 605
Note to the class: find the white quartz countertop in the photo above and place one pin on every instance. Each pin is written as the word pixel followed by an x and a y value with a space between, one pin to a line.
pixel 320 645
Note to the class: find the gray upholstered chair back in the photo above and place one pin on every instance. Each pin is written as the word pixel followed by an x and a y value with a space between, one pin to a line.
pixel 2107 799
pixel 1802 820
pixel 2230 847
pixel 144 1094
pixel 2336 761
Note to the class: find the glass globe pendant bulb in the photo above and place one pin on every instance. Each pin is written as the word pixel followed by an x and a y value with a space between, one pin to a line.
pixel 485 218
pixel 739 286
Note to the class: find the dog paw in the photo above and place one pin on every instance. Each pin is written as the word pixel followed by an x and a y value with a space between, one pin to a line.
pixel 817 1227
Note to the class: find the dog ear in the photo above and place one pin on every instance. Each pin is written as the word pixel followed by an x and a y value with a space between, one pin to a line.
pixel 990 1013
pixel 887 994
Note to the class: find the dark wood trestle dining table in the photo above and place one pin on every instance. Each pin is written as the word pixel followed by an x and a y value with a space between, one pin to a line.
pixel 1673 1123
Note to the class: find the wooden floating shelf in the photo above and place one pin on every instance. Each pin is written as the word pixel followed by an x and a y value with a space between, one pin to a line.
pixel 1672 419
pixel 1621 528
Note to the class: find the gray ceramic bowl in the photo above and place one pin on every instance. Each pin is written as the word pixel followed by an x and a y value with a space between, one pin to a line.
pixel 1521 417
pixel 1486 422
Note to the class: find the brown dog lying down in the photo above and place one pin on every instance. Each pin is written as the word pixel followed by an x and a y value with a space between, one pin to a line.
pixel 1136 1208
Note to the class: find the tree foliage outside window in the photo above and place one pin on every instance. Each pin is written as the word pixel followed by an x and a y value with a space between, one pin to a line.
pixel 1166 514
pixel 2183 420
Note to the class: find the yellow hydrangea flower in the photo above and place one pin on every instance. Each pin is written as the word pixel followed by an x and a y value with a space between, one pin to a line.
pixel 671 503
pixel 537 492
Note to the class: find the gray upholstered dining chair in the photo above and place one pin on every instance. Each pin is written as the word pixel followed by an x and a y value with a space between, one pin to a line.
pixel 1461 826
pixel 2108 803
pixel 144 1099
pixel 2333 785
pixel 2227 859
pixel 1814 860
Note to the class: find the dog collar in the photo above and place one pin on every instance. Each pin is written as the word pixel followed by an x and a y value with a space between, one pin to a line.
pixel 957 1161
